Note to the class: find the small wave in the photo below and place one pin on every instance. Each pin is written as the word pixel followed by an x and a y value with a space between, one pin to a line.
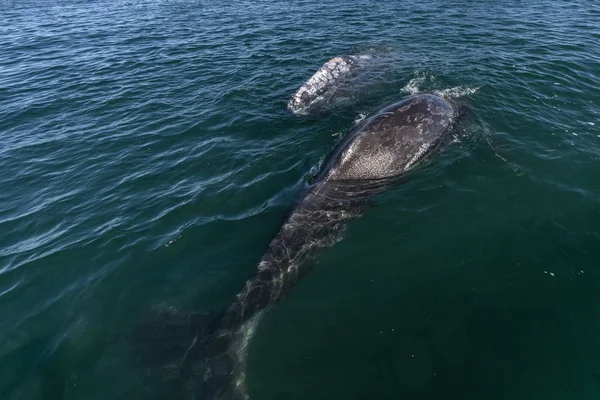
pixel 414 85
pixel 11 288
pixel 170 242
pixel 456 92
pixel 359 118
pixel 364 57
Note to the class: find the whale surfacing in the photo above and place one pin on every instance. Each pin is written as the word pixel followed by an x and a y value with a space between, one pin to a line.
pixel 369 159
pixel 319 89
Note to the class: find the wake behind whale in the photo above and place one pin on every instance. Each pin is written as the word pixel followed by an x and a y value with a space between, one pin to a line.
pixel 205 352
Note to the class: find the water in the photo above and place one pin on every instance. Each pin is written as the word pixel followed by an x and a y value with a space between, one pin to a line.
pixel 147 158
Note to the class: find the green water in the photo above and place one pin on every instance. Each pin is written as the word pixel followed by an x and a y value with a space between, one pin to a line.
pixel 147 159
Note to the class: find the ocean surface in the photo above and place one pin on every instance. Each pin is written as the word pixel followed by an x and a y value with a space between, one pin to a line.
pixel 147 159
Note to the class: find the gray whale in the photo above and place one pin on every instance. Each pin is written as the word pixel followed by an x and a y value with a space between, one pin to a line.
pixel 320 90
pixel 370 158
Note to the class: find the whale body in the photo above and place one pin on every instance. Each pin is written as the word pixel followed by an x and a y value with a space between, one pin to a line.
pixel 318 92
pixel 369 159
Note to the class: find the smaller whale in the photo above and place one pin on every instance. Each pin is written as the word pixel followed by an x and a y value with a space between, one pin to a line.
pixel 318 92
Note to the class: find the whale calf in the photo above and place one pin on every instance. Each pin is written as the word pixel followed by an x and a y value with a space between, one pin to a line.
pixel 319 90
pixel 370 158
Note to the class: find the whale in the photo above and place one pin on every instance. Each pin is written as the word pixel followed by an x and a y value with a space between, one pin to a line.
pixel 318 93
pixel 371 157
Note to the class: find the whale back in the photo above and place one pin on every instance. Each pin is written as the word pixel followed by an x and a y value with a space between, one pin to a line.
pixel 391 142
pixel 320 89
pixel 206 352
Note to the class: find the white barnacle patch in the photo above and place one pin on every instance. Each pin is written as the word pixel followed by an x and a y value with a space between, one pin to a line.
pixel 324 80
pixel 349 152
pixel 418 154
pixel 371 166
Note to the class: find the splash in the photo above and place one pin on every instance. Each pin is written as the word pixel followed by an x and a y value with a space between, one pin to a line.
pixel 364 57
pixel 414 85
pixel 421 78
pixel 359 118
pixel 457 92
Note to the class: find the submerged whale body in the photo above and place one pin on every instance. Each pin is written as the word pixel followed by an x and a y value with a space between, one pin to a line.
pixel 319 90
pixel 370 158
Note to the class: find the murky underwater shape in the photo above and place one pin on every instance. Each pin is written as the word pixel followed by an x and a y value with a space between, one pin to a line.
pixel 147 159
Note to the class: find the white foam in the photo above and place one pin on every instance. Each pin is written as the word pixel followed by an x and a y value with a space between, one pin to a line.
pixel 412 87
pixel 360 118
pixel 458 91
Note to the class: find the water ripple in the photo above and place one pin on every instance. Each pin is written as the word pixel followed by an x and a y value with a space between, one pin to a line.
pixel 128 125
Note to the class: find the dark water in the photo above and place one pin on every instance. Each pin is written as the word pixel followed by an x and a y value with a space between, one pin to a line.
pixel 147 159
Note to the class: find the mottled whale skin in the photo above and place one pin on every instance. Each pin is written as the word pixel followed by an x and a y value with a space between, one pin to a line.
pixel 319 89
pixel 370 158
